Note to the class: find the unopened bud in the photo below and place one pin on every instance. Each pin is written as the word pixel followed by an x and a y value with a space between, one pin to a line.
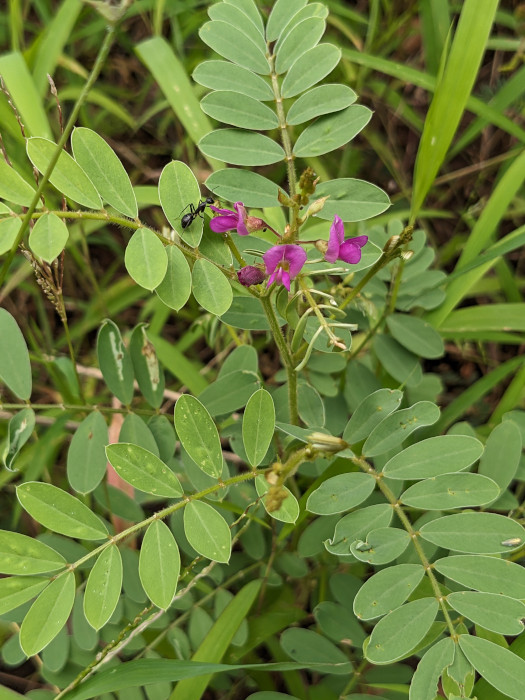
pixel 253 223
pixel 322 246
pixel 250 275
pixel 284 199
pixel 316 207
pixel 391 244
pixel 327 443
pixel 407 254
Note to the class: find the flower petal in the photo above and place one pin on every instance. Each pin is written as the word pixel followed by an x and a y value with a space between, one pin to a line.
pixel 223 212
pixel 285 279
pixel 221 224
pixel 296 257
pixel 359 240
pixel 350 252
pixel 273 257
pixel 337 234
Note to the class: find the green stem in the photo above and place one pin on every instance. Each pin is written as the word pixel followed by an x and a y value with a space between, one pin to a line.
pixel 77 408
pixel 99 62
pixel 383 260
pixel 354 680
pixel 235 251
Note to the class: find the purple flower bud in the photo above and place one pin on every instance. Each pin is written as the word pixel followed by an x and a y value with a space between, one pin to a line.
pixel 250 275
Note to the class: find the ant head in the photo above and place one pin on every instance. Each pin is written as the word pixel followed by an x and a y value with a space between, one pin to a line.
pixel 209 200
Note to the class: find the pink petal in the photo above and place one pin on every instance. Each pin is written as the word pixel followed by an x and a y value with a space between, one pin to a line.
pixel 285 279
pixel 350 252
pixel 359 240
pixel 337 234
pixel 241 228
pixel 223 212
pixel 273 257
pixel 221 224
pixel 296 257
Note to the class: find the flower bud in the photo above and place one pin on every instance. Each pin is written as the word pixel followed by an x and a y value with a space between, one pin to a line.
pixel 316 207
pixel 250 275
pixel 253 223
pixel 391 244
pixel 322 246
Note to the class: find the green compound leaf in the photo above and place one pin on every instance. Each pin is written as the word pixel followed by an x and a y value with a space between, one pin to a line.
pixel 223 75
pixel 241 147
pixel 86 457
pixel 416 335
pixel 306 646
pixel 324 99
pixel 115 362
pixel 387 590
pixel 425 681
pixel 443 454
pixel 145 259
pixel 143 470
pixel 400 631
pixel 48 614
pixel 239 110
pixel 233 44
pixel 451 491
pixel 282 12
pixel 9 229
pixel 59 511
pixel 487 574
pixel 48 237
pixel 357 525
pixel 328 133
pixel 13 187
pixel 178 187
pixel 207 531
pixel 351 199
pixel 502 454
pixel 15 369
pixel 494 612
pixel 159 564
pixel 381 546
pixel 499 666
pixel 340 493
pixel 67 176
pixel 211 288
pixel 20 428
pixel 258 426
pixel 198 435
pixel 236 185
pixel 175 288
pixel 103 588
pixel 288 512
pixel 25 556
pixel 309 69
pixel 370 412
pixel 302 37
pixel 16 590
pixel 394 429
pixel 313 9
pixel 234 15
pixel 146 366
pixel 475 533
pixel 101 164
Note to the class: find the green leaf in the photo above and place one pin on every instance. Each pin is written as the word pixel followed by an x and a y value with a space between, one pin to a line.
pixel 237 185
pixel 500 667
pixel 143 470
pixel 502 454
pixel 175 288
pixel 101 164
pixel 17 590
pixel 59 511
pixel 67 176
pixel 396 427
pixel 476 533
pixel 229 393
pixel 288 511
pixel 223 75
pixel 450 491
pixel 210 287
pixel 178 187
pixel 487 574
pixel 15 369
pixel 492 611
pixel 103 587
pixel 340 493
pixel 48 237
pixel 20 428
pixel 306 646
pixel 324 99
pixel 198 435
pixel 13 187
pixel 386 590
pixel 311 406
pixel 22 90
pixel 302 37
pixel 425 681
pixel 443 454
pixel 22 555
pixel 115 362
pixel 328 133
pixel 135 431
pixel 381 546
pixel 247 313
pixel 243 357
pixel 207 531
pixel 239 110
pixel 146 366
pixel 258 426
pixel 357 525
pixel 250 9
pixel 400 631
pixel 145 259
pixel 314 65
pixel 86 457
pixel 233 15
pixel 282 12
pixel 159 564
pixel 370 412
pixel 351 199
pixel 241 147
pixel 9 229
pixel 416 335
pixel 233 44
pixel 401 364
pixel 48 614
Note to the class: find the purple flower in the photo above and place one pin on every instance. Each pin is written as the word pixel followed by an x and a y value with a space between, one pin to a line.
pixel 338 249
pixel 283 263
pixel 249 275
pixel 228 220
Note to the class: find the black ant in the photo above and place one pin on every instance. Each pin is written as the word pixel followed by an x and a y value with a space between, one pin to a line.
pixel 195 211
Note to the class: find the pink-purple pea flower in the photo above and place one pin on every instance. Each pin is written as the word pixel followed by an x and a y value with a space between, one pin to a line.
pixel 228 220
pixel 283 263
pixel 338 249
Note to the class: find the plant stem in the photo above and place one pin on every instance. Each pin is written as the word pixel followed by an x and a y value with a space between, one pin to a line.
pixel 234 250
